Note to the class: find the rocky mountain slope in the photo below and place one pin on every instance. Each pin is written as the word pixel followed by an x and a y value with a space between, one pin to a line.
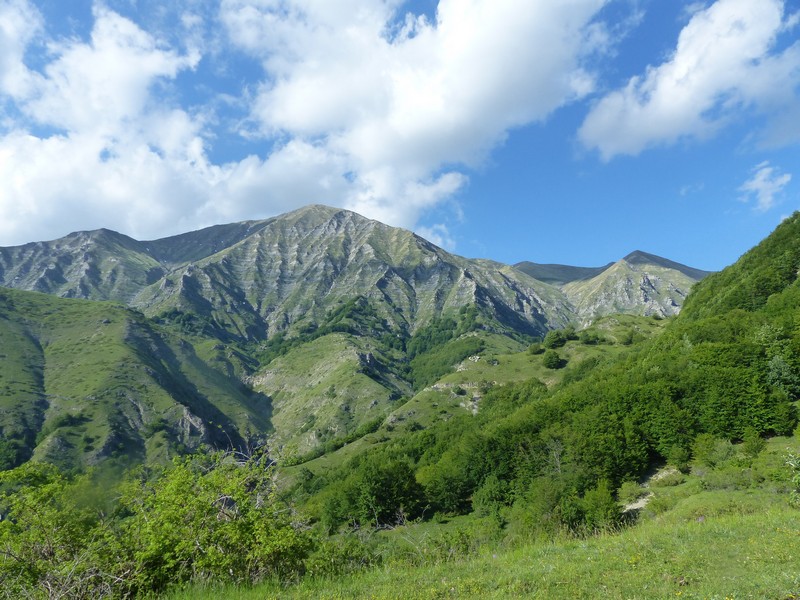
pixel 640 283
pixel 252 280
pixel 306 328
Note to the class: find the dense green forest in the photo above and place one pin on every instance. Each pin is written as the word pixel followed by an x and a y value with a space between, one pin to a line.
pixel 535 462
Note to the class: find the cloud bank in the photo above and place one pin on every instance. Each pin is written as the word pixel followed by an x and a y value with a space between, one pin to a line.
pixel 353 104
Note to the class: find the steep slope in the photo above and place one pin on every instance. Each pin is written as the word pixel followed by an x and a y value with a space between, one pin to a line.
pixel 251 280
pixel 767 269
pixel 82 382
pixel 725 370
pixel 330 317
pixel 640 283
pixel 100 265
pixel 296 268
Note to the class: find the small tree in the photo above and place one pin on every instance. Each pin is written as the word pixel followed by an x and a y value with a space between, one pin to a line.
pixel 599 508
pixel 753 443
pixel 551 360
pixel 554 339
pixel 535 348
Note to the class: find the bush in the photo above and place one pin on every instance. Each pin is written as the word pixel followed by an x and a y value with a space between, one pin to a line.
pixel 205 518
pixel 535 348
pixel 753 443
pixel 551 360
pixel 731 478
pixel 490 497
pixel 554 339
pixel 678 457
pixel 600 510
pixel 629 492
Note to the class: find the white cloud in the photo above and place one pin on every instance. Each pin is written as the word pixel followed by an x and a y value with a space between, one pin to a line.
pixel 765 185
pixel 103 86
pixel 398 103
pixel 20 22
pixel 114 157
pixel 725 61
pixel 357 105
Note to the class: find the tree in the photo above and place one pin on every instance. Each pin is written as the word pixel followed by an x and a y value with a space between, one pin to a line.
pixel 753 443
pixel 210 518
pixel 600 511
pixel 551 360
pixel 554 339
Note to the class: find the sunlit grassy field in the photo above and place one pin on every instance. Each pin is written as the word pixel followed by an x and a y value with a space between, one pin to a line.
pixel 718 557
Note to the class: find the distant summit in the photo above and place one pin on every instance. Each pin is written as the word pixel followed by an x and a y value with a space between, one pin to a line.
pixel 637 257
pixel 559 274
pixel 640 283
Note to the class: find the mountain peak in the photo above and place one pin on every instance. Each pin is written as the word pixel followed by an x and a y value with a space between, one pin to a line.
pixel 638 257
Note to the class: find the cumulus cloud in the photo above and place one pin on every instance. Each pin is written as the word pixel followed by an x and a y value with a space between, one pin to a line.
pixel 765 186
pixel 401 101
pixel 109 155
pixel 725 61
pixel 19 24
pixel 356 104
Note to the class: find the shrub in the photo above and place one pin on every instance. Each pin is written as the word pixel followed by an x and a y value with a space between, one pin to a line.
pixel 554 339
pixel 551 360
pixel 629 492
pixel 600 510
pixel 753 443
pixel 678 457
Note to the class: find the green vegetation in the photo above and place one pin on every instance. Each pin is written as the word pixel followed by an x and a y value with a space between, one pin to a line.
pixel 607 464
pixel 206 518
pixel 729 556
pixel 214 526
pixel 84 383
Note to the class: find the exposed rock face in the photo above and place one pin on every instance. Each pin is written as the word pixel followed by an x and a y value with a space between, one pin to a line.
pixel 640 283
pixel 257 278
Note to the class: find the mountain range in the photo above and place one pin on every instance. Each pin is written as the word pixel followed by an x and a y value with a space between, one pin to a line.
pixel 301 329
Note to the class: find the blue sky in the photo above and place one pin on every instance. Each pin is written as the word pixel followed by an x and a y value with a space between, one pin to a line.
pixel 571 132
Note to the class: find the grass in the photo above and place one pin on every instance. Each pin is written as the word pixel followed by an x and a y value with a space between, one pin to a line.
pixel 699 537
pixel 728 556
pixel 502 361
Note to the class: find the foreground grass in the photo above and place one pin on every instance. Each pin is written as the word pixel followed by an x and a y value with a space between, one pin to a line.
pixel 717 557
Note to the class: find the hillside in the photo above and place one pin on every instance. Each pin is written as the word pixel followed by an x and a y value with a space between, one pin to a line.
pixel 724 373
pixel 333 319
pixel 402 456
pixel 85 382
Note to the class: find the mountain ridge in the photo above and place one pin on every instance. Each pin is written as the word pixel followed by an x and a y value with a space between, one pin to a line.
pixel 193 270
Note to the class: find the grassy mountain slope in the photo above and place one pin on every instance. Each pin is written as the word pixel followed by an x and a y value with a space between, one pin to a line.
pixel 768 269
pixel 546 443
pixel 84 381
pixel 541 457
pixel 326 389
